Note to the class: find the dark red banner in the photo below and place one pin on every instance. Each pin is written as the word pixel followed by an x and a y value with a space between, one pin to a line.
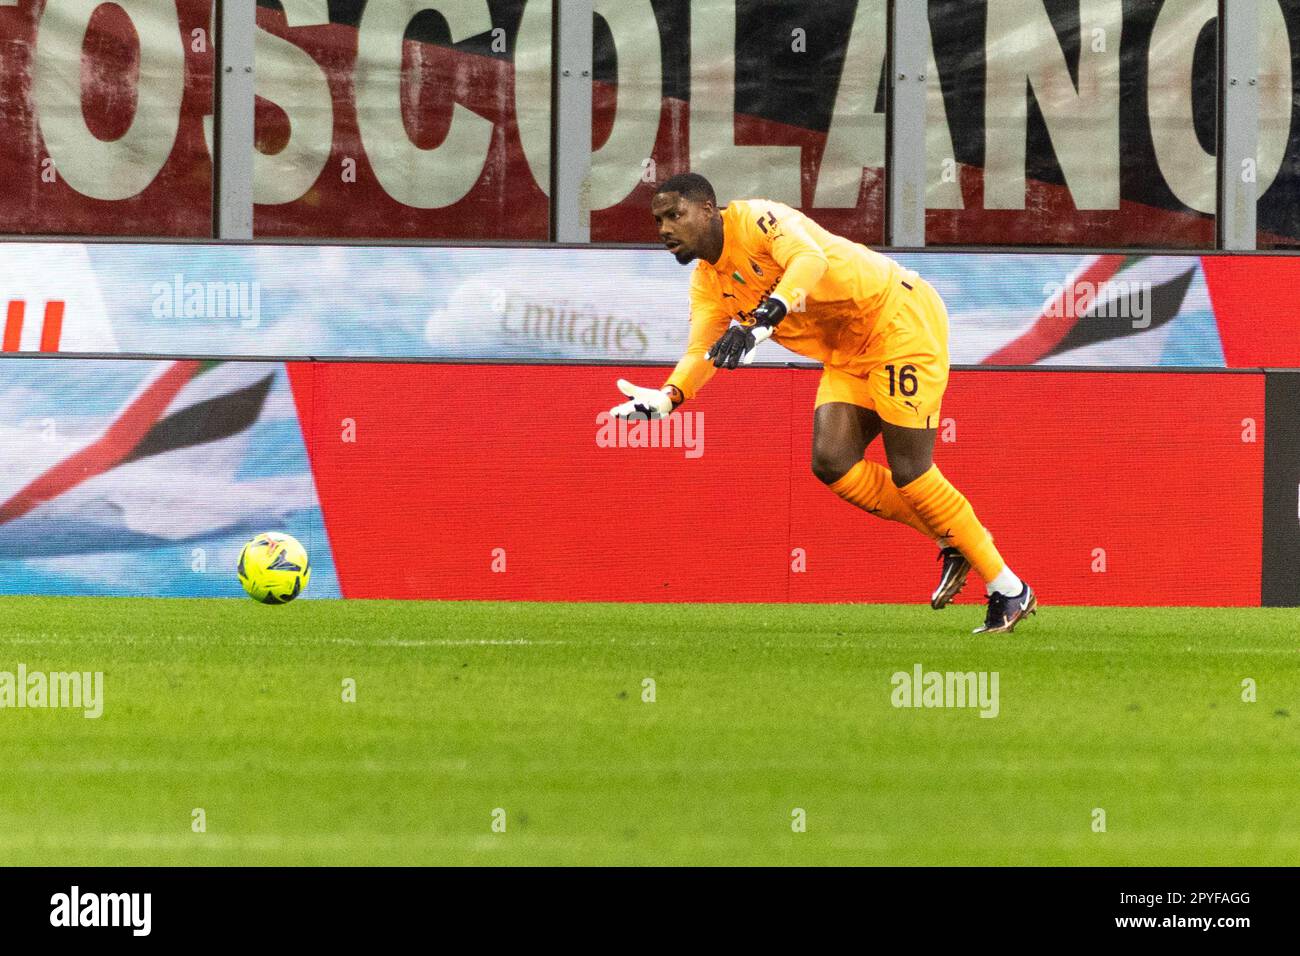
pixel 1047 123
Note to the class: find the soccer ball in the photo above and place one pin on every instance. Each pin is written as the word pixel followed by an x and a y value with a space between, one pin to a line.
pixel 274 568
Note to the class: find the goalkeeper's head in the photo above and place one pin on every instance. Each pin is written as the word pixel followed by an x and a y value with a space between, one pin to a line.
pixel 686 214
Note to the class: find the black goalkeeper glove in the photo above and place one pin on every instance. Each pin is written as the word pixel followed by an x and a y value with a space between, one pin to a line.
pixel 730 350
pixel 736 347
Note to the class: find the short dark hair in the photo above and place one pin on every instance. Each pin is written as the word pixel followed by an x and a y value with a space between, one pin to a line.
pixel 691 186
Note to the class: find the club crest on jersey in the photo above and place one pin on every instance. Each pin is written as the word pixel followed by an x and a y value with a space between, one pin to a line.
pixel 754 265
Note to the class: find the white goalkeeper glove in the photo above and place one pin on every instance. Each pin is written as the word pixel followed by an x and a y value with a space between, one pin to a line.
pixel 642 402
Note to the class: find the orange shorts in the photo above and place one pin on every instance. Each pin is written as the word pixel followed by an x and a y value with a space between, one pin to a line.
pixel 903 371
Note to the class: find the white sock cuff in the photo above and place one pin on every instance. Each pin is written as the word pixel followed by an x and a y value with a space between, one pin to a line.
pixel 1006 583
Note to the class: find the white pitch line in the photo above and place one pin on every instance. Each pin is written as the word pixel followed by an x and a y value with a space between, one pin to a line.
pixel 866 644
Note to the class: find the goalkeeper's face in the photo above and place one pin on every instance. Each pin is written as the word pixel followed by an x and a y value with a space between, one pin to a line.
pixel 685 225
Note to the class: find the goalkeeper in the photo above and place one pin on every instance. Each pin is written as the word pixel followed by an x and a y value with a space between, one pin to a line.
pixel 881 334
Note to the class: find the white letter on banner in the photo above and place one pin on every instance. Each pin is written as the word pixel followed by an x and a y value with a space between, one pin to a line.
pixel 856 138
pixel 1274 70
pixel 421 178
pixel 293 81
pixel 124 167
pixel 1021 44
pixel 769 171
pixel 533 89
pixel 1187 168
pixel 616 167
pixel 941 192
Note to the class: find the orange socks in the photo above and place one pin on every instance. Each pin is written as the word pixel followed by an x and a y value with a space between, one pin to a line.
pixel 949 515
pixel 871 488
pixel 932 506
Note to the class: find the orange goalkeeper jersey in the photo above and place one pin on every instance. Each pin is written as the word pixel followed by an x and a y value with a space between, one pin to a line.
pixel 837 291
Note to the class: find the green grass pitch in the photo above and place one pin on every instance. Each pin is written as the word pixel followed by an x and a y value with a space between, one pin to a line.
pixel 537 709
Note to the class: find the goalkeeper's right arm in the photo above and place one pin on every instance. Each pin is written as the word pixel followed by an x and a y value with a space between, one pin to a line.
pixel 708 322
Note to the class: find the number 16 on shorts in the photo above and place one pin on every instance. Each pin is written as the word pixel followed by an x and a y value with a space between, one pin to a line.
pixel 908 394
pixel 902 380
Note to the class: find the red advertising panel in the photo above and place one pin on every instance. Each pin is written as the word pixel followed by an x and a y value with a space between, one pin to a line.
pixel 502 482
pixel 1254 302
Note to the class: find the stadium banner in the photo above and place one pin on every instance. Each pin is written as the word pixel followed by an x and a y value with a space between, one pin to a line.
pixel 146 477
pixel 1047 123
pixel 602 304
pixel 107 117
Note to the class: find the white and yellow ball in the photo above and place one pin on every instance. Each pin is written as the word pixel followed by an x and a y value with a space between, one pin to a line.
pixel 274 568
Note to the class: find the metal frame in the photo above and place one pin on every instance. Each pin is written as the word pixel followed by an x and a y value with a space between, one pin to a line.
pixel 571 121
pixel 617 246
pixel 232 163
pixel 905 171
pixel 585 363
pixel 1238 133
